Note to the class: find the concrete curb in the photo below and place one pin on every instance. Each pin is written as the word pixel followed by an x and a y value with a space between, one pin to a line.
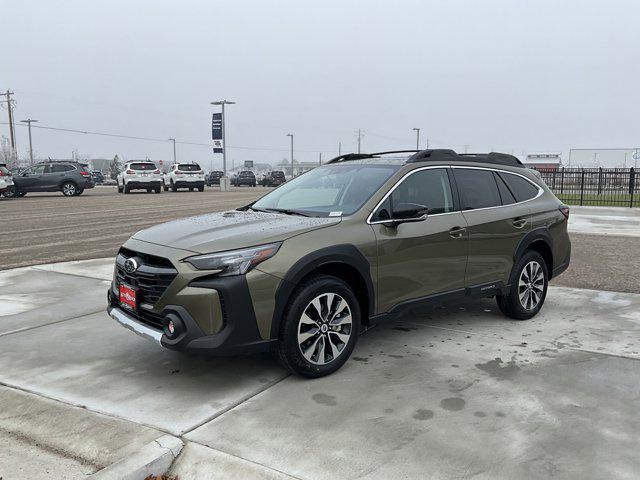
pixel 155 458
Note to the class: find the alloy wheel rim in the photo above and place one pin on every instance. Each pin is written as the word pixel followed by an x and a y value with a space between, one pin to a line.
pixel 531 285
pixel 324 328
pixel 69 189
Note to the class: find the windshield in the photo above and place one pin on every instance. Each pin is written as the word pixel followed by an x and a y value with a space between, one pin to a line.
pixel 336 189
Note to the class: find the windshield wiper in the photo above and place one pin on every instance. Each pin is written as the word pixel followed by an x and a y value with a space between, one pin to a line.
pixel 287 211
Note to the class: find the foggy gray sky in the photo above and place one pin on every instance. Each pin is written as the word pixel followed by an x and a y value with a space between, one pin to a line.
pixel 503 75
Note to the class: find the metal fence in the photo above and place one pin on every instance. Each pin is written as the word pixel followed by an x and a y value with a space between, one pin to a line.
pixel 612 187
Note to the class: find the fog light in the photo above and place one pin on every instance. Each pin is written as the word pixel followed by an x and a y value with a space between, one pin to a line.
pixel 173 327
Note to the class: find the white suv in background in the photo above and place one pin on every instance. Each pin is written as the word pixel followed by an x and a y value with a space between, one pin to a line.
pixel 184 175
pixel 140 176
pixel 6 179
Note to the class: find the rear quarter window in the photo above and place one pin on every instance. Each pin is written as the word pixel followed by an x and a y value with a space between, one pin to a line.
pixel 521 189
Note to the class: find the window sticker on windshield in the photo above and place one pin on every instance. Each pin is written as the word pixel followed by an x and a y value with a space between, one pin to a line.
pixel 335 214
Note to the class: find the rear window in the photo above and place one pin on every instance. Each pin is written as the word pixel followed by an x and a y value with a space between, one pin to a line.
pixel 189 167
pixel 277 174
pixel 246 174
pixel 143 166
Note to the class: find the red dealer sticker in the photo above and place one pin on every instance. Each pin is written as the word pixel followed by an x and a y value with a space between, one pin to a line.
pixel 127 297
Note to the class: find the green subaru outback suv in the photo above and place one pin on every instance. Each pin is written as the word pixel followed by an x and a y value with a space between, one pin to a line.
pixel 361 239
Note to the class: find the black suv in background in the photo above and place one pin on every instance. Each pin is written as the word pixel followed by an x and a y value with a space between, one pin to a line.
pixel 70 178
pixel 245 177
pixel 213 178
pixel 273 179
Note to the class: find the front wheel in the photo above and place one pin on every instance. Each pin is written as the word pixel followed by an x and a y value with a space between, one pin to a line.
pixel 320 327
pixel 10 192
pixel 529 281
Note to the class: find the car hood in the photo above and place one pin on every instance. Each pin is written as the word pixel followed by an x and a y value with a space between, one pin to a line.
pixel 217 232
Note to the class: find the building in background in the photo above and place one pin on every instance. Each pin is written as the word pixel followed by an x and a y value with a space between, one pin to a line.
pixel 544 161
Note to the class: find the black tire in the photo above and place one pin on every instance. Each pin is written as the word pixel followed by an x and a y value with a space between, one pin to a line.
pixel 288 350
pixel 201 189
pixel 164 186
pixel 10 192
pixel 80 192
pixel 69 189
pixel 173 187
pixel 158 189
pixel 126 189
pixel 511 304
pixel 191 189
pixel 148 190
pixel 21 194
pixel 119 189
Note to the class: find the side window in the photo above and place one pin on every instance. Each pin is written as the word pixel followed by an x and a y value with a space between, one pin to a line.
pixel 522 189
pixel 59 168
pixel 478 188
pixel 426 187
pixel 505 193
pixel 39 170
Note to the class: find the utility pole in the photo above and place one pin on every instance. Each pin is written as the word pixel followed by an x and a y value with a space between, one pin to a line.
pixel 320 158
pixel 29 121
pixel 12 133
pixel 224 184
pixel 291 135
pixel 339 148
pixel 360 134
pixel 417 130
pixel 174 149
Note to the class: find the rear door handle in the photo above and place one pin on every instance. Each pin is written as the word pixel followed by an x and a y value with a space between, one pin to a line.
pixel 457 232
pixel 519 222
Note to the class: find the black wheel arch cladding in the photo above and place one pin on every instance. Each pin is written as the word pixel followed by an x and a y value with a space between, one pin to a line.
pixel 346 254
pixel 540 234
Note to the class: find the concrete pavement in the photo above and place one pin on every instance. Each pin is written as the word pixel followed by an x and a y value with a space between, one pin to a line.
pixel 618 221
pixel 461 391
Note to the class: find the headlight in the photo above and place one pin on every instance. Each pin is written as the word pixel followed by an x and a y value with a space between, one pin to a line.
pixel 235 262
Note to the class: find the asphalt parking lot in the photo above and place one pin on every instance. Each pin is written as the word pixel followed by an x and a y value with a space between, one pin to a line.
pixel 459 393
pixel 48 227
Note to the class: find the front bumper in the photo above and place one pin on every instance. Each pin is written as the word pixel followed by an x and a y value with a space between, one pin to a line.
pixel 238 335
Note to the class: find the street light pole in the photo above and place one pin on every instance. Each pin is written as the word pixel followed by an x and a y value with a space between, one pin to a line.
pixel 28 121
pixel 174 149
pixel 417 130
pixel 222 103
pixel 291 135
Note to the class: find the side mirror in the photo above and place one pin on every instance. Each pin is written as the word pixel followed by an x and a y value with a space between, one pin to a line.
pixel 407 212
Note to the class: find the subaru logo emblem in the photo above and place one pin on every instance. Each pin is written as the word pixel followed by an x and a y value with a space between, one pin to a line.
pixel 130 265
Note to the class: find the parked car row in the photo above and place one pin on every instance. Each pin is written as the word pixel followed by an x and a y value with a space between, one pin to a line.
pixel 72 178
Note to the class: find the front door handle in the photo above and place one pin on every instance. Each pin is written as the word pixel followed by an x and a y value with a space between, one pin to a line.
pixel 519 222
pixel 457 232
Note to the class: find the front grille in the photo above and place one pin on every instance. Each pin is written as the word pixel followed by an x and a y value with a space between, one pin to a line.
pixel 151 279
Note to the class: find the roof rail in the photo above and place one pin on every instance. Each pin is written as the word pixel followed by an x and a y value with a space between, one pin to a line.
pixel 360 156
pixel 439 155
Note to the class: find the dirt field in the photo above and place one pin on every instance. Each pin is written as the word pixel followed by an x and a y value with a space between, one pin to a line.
pixel 47 228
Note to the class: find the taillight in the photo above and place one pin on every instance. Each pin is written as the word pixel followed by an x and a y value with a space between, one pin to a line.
pixel 130 172
pixel 85 174
pixel 156 171
pixel 564 210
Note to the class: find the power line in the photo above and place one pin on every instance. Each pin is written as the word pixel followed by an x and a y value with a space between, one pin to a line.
pixel 151 139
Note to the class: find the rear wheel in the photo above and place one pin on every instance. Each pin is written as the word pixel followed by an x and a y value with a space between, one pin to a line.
pixel 80 192
pixel 69 189
pixel 158 189
pixel 529 280
pixel 191 189
pixel 164 186
pixel 320 327
pixel 10 192
pixel 173 187
pixel 119 189
pixel 201 189
pixel 126 188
